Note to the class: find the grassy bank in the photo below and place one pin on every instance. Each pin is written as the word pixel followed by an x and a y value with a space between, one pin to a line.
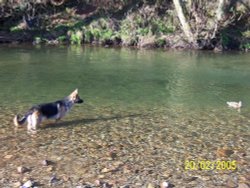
pixel 143 23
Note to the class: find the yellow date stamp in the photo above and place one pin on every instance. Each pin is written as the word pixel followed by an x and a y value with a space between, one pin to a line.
pixel 210 165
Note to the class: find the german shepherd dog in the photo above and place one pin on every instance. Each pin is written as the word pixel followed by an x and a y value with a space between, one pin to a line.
pixel 55 110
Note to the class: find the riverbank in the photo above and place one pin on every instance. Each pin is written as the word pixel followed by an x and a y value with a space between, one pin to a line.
pixel 142 24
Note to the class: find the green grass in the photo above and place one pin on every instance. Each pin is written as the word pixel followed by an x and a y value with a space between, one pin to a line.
pixel 76 37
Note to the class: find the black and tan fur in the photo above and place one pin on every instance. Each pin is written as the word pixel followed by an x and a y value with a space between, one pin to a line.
pixel 55 110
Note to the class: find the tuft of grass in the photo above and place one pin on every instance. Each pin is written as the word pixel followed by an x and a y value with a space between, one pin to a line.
pixel 245 46
pixel 37 40
pixel 160 27
pixel 96 32
pixel 62 38
pixel 225 39
pixel 160 42
pixel 88 36
pixel 15 29
pixel 106 34
pixel 246 34
pixel 76 37
pixel 143 31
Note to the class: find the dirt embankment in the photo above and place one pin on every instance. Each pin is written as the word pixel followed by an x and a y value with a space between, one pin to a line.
pixel 143 23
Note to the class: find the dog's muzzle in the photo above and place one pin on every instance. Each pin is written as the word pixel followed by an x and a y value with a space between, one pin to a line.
pixel 79 101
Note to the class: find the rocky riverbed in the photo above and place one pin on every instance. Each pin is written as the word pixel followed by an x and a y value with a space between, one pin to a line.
pixel 127 148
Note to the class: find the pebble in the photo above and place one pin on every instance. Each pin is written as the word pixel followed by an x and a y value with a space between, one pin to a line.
pixel 53 180
pixel 66 178
pixel 105 170
pixel 59 158
pixel 102 184
pixel 106 185
pixel 17 184
pixel 190 179
pixel 150 185
pixel 97 182
pixel 125 186
pixel 28 184
pixel 50 168
pixel 243 185
pixel 231 183
pixel 164 184
pixel 45 162
pixel 167 174
pixel 8 156
pixel 101 176
pixel 224 152
pixel 22 169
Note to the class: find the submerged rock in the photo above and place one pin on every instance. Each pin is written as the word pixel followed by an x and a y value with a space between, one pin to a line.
pixel 22 169
pixel 103 184
pixel 8 156
pixel 164 184
pixel 231 183
pixel 28 184
pixel 150 185
pixel 243 185
pixel 17 184
pixel 105 170
pixel 224 152
pixel 50 168
pixel 54 180
pixel 45 162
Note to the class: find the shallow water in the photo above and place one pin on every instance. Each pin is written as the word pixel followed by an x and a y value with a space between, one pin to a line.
pixel 145 113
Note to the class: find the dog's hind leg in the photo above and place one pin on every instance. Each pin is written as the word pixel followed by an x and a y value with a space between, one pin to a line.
pixel 57 119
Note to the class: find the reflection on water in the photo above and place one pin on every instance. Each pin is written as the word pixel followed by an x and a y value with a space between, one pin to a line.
pixel 123 76
pixel 146 112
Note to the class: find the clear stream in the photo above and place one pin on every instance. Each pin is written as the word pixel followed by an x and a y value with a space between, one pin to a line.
pixel 169 106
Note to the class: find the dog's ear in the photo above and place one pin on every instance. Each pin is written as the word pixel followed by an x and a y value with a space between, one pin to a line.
pixel 74 93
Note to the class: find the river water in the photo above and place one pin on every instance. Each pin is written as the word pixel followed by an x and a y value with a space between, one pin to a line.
pixel 148 116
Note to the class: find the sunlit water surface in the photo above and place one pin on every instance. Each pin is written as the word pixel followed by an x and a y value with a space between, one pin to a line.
pixel 145 113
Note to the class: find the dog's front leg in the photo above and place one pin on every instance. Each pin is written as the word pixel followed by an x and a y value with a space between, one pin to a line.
pixel 32 124
pixel 29 126
pixel 33 121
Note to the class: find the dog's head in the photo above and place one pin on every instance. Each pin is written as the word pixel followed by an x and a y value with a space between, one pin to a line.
pixel 74 97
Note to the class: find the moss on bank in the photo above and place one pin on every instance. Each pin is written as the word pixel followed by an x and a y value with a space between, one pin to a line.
pixel 143 23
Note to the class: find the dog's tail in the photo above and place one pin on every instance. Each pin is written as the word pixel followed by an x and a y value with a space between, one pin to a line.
pixel 18 122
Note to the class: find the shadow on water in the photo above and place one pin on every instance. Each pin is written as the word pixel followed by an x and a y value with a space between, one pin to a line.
pixel 85 121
